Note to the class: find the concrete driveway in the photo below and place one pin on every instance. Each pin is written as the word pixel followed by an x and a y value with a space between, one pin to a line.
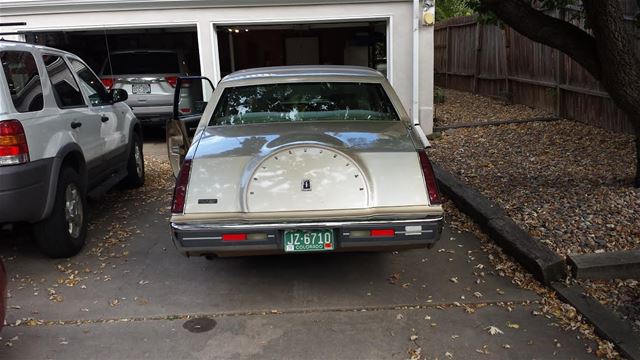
pixel 129 295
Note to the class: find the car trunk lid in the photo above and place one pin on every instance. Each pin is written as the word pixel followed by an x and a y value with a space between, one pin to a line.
pixel 313 166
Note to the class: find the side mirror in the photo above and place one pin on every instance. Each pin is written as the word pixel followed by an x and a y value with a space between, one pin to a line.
pixel 118 95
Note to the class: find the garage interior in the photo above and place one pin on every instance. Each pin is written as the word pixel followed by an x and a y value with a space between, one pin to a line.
pixel 356 43
pixel 93 46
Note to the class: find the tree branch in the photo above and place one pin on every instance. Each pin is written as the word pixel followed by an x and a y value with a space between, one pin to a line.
pixel 547 30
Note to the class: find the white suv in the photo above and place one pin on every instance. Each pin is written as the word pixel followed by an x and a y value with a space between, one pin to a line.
pixel 63 137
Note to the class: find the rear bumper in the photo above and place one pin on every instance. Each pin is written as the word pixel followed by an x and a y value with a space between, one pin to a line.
pixel 152 115
pixel 193 239
pixel 23 191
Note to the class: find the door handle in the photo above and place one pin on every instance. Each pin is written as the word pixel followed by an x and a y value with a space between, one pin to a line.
pixel 75 124
pixel 104 118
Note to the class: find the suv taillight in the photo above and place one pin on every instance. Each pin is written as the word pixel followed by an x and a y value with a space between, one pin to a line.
pixel 429 178
pixel 13 143
pixel 180 191
pixel 172 80
pixel 108 83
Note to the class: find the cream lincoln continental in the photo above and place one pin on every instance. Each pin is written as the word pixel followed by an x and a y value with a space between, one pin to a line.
pixel 299 159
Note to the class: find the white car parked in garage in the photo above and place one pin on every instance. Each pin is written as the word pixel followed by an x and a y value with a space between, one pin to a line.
pixel 308 158
pixel 62 137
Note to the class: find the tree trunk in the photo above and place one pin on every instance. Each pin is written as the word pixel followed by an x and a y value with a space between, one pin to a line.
pixel 637 180
pixel 620 70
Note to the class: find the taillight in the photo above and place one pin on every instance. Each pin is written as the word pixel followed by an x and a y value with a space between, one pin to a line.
pixel 180 191
pixel 172 80
pixel 108 83
pixel 429 178
pixel 13 143
pixel 234 237
pixel 382 233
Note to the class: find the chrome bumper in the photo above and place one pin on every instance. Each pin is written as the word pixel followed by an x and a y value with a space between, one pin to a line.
pixel 198 238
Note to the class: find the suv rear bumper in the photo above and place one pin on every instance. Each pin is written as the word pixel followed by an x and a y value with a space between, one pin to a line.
pixel 24 190
pixel 153 115
pixel 193 239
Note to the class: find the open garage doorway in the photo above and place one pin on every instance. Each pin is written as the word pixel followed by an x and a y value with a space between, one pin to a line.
pixel 93 46
pixel 354 43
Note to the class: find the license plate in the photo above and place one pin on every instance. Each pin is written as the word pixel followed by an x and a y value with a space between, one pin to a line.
pixel 308 240
pixel 141 89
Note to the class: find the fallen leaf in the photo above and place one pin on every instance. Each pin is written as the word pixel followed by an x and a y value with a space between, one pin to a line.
pixel 493 330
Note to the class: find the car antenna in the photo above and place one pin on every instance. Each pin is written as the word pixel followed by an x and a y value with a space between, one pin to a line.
pixel 106 42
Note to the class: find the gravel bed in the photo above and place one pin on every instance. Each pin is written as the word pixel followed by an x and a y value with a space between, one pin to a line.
pixel 568 184
pixel 465 108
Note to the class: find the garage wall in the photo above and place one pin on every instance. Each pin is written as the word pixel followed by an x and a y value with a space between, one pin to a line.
pixel 399 41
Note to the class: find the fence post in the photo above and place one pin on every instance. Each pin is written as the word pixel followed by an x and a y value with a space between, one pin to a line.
pixel 560 72
pixel 447 59
pixel 507 62
pixel 476 73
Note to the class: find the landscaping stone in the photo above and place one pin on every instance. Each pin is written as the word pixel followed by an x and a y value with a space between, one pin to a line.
pixel 606 266
pixel 607 324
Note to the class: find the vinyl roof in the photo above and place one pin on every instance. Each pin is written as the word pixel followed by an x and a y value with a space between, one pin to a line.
pixel 303 71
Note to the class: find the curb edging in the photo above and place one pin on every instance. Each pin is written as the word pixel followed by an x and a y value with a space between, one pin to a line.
pixel 606 324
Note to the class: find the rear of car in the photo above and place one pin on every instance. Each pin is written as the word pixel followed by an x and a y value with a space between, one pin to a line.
pixel 24 184
pixel 305 160
pixel 149 77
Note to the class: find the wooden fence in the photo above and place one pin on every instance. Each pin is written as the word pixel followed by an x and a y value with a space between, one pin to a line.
pixel 493 61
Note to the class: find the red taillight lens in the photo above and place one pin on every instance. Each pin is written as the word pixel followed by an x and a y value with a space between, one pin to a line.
pixel 180 191
pixel 383 232
pixel 108 83
pixel 13 143
pixel 234 237
pixel 429 178
pixel 172 80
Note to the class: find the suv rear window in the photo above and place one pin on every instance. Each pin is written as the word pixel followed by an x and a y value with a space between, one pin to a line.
pixel 23 80
pixel 65 88
pixel 142 63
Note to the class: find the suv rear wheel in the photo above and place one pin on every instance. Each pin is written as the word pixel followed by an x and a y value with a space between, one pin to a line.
pixel 63 233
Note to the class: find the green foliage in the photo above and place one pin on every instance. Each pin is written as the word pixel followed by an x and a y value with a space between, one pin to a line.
pixel 446 9
pixel 438 95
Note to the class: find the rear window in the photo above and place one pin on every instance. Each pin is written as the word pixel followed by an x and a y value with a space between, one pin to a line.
pixel 23 80
pixel 142 63
pixel 316 101
pixel 65 88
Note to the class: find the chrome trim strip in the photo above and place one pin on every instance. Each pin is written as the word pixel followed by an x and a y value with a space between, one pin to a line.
pixel 197 226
